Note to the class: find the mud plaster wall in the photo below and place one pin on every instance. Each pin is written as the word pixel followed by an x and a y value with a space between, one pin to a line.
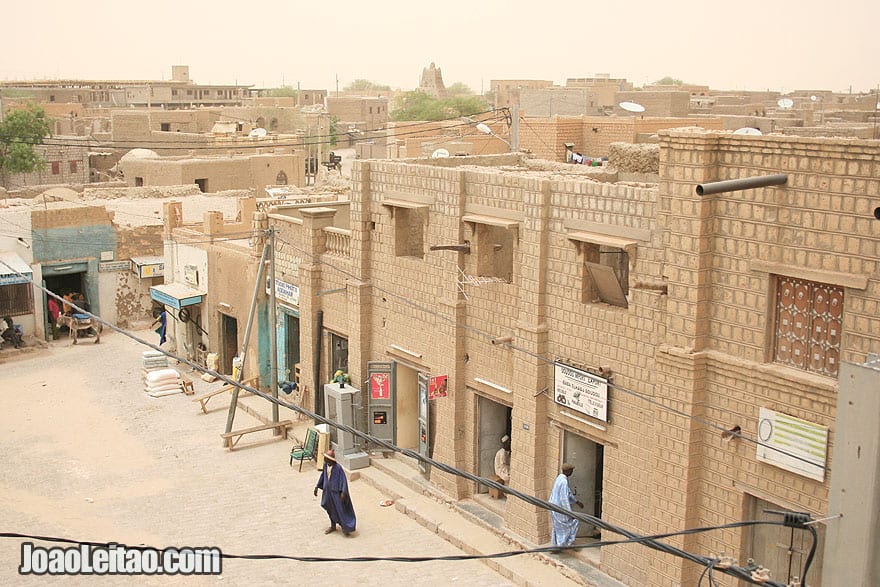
pixel 133 293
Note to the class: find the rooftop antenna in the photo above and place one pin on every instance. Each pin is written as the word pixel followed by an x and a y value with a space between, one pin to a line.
pixel 747 130
pixel 785 103
pixel 440 154
pixel 257 133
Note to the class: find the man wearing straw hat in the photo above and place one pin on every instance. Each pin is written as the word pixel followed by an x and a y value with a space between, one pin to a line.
pixel 334 497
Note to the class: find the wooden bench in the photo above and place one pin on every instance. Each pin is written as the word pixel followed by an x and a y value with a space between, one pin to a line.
pixel 230 439
pixel 205 397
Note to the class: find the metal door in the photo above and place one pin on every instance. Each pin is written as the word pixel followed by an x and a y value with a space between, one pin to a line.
pixel 381 396
pixel 424 422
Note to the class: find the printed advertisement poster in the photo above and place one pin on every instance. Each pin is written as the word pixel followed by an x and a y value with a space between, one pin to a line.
pixel 380 386
pixel 438 386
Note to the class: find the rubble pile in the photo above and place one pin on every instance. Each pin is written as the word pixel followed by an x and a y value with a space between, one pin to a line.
pixel 634 158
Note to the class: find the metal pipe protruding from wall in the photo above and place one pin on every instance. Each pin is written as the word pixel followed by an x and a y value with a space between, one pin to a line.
pixel 746 183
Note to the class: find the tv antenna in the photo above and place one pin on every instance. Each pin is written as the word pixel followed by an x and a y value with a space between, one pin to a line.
pixel 785 103
pixel 440 154
pixel 257 133
pixel 747 130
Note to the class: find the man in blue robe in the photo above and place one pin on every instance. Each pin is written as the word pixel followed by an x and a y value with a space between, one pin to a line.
pixel 565 527
pixel 334 497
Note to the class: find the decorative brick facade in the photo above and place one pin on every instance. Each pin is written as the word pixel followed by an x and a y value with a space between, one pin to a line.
pixel 691 351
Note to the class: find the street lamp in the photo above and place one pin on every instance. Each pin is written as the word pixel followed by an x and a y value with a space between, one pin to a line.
pixel 484 128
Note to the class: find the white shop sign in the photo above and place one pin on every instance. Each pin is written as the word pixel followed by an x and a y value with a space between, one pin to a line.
pixel 792 444
pixel 581 391
pixel 285 292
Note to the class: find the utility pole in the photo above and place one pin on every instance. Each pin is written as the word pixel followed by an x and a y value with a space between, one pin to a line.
pixel 514 128
pixel 273 351
pixel 247 335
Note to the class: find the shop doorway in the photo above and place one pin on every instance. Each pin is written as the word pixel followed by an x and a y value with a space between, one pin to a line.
pixel 407 407
pixel 228 342
pixel 288 366
pixel 338 355
pixel 494 423
pixel 586 480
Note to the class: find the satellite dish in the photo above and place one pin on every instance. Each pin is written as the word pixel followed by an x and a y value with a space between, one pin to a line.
pixel 747 130
pixel 785 103
pixel 440 154
pixel 632 107
pixel 813 98
pixel 257 133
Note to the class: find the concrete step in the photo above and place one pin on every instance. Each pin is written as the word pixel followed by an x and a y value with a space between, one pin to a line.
pixel 475 529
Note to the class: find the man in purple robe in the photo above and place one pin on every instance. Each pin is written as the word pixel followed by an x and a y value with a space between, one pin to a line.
pixel 334 497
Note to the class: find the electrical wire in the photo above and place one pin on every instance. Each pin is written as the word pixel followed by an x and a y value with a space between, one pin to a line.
pixel 650 542
pixel 471 329
pixel 318 139
pixel 481 333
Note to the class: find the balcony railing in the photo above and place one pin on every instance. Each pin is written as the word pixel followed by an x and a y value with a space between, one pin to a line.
pixel 338 241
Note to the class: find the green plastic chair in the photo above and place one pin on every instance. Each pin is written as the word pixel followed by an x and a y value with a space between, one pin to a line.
pixel 307 451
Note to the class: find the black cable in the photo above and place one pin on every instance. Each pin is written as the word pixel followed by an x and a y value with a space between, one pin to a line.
pixel 406 301
pixel 313 140
pixel 648 541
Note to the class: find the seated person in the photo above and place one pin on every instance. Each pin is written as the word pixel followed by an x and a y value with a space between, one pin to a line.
pixel 9 333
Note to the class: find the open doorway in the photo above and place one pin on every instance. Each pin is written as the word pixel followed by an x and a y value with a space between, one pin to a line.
pixel 494 424
pixel 407 407
pixel 228 342
pixel 62 285
pixel 586 480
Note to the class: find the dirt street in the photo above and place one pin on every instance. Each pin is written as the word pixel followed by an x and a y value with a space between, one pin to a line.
pixel 87 455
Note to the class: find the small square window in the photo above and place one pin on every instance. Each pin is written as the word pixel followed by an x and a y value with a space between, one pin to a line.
pixel 493 251
pixel 409 231
pixel 606 275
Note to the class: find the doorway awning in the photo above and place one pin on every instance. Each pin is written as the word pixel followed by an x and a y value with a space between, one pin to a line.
pixel 176 295
pixel 10 268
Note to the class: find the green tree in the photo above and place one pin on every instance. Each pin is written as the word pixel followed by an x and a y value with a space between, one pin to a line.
pixel 668 81
pixel 365 85
pixel 283 92
pixel 459 89
pixel 20 131
pixel 420 106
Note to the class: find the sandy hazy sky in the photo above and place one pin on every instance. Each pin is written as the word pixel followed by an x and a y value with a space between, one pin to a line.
pixel 780 45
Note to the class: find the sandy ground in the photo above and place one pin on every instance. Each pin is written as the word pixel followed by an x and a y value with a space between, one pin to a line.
pixel 86 454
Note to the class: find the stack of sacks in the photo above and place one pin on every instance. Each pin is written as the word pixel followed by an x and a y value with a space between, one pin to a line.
pixel 162 382
pixel 154 360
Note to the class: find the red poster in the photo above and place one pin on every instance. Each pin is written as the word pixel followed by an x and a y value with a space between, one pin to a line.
pixel 437 387
pixel 380 386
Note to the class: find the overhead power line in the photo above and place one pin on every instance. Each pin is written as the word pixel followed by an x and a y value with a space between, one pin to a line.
pixel 742 573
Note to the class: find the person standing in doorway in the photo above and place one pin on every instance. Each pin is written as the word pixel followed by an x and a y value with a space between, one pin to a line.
pixel 54 309
pixel 565 527
pixel 335 498
pixel 502 460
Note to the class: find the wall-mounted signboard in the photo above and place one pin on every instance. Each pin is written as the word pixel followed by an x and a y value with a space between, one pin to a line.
pixel 581 391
